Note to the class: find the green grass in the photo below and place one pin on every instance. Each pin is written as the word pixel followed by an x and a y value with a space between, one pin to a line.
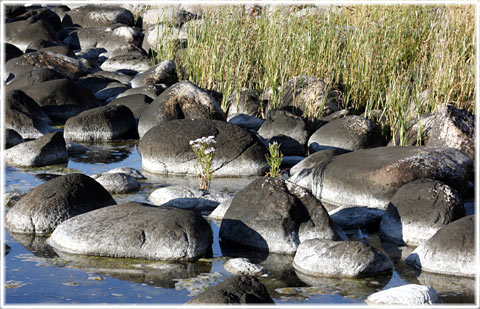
pixel 382 57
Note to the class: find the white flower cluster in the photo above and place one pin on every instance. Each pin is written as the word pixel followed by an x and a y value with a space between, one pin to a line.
pixel 202 142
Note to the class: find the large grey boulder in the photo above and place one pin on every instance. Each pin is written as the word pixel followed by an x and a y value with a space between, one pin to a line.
pixel 46 206
pixel 127 62
pixel 327 258
pixel 118 183
pixel 247 102
pixel 46 150
pixel 137 103
pixel 163 73
pixel 454 128
pixel 450 251
pixel 155 35
pixel 166 148
pixel 182 100
pixel 234 290
pixel 348 133
pixel 32 77
pixel 276 216
pixel 103 123
pixel 25 33
pixel 418 210
pixel 370 177
pixel 405 295
pixel 25 116
pixel 135 230
pixel 98 16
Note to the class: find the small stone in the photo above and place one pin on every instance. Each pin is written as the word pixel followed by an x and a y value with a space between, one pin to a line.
pixel 243 266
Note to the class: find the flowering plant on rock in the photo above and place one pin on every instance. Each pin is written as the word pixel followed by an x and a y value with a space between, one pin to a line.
pixel 204 148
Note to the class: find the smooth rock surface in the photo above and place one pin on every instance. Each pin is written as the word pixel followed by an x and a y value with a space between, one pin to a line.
pixel 32 77
pixel 127 170
pixel 118 183
pixel 243 266
pixel 328 258
pixel 137 103
pixel 98 16
pixel 406 295
pixel 357 217
pixel 46 206
pixel 273 215
pixel 163 73
pixel 450 251
pixel 135 230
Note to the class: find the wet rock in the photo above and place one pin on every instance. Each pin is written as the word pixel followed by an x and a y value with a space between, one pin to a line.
pixel 348 133
pixel 110 38
pixel 370 177
pixel 247 102
pixel 219 212
pixel 105 123
pixel 32 77
pixel 135 230
pixel 70 67
pixel 163 73
pixel 61 98
pixel 450 251
pixel 11 51
pixel 118 183
pixel 406 295
pixel 182 100
pixel 243 266
pixel 235 290
pixel 137 103
pixel 55 201
pixel 74 148
pixel 246 121
pixel 98 16
pixel 166 148
pixel 127 63
pixel 11 198
pixel 454 128
pixel 418 210
pixel 327 258
pixel 23 115
pixel 185 197
pixel 287 129
pixel 357 217
pixel 46 150
pixel 128 171
pixel 26 33
pixel 276 216
pixel 12 138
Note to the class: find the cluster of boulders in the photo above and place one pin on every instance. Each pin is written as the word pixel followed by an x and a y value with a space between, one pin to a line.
pixel 88 69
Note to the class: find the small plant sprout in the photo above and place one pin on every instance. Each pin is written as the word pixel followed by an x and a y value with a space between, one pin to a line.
pixel 274 159
pixel 204 148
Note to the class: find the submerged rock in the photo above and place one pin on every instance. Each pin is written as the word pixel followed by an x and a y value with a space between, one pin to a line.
pixel 406 295
pixel 243 266
pixel 135 230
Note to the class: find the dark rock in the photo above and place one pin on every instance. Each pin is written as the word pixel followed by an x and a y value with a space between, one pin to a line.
pixel 12 197
pixel 247 102
pixel 135 230
pixel 246 121
pixel 26 33
pixel 55 201
pixel 327 258
pixel 46 150
pixel 11 51
pixel 137 103
pixel 12 10
pixel 163 73
pixel 101 123
pixel 120 77
pixel 348 133
pixel 418 210
pixel 58 49
pixel 12 138
pixel 111 91
pixel 61 98
pixel 32 77
pixel 349 218
pixel 276 216
pixel 235 290
pixel 150 91
pixel 98 16
pixel 41 14
pixel 182 100
pixel 23 115
pixel 166 148
pixel 450 251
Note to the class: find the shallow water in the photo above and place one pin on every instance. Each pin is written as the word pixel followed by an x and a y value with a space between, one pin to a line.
pixel 35 273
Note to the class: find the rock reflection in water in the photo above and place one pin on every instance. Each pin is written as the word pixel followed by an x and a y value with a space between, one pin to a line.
pixel 105 152
pixel 154 273
pixel 452 289
pixel 35 244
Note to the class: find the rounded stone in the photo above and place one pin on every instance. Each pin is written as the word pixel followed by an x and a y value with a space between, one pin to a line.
pixel 405 295
pixel 243 266
pixel 118 183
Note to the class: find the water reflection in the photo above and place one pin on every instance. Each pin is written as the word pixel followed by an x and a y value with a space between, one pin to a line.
pixel 35 244
pixel 452 289
pixel 105 152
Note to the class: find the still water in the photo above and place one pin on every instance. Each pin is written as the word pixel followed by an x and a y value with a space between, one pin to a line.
pixel 36 274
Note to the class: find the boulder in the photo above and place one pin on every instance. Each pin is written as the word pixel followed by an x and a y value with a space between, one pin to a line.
pixel 243 266
pixel 137 103
pixel 34 14
pixel 418 210
pixel 184 197
pixel 128 63
pixel 349 218
pixel 234 290
pixel 111 91
pixel 12 10
pixel 98 16
pixel 70 67
pixel 46 150
pixel 370 177
pixel 55 201
pixel 450 251
pixel 287 129
pixel 405 295
pixel 454 128
pixel 23 115
pixel 25 33
pixel 246 121
pixel 274 215
pixel 155 35
pixel 103 123
pixel 347 133
pixel 118 183
pixel 61 98
pixel 247 102
pixel 166 148
pixel 128 171
pixel 164 14
pixel 12 197
pixel 182 100
pixel 135 230
pixel 32 77
pixel 119 77
pixel 328 258
pixel 11 51
pixel 12 138
pixel 163 73
pixel 150 91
